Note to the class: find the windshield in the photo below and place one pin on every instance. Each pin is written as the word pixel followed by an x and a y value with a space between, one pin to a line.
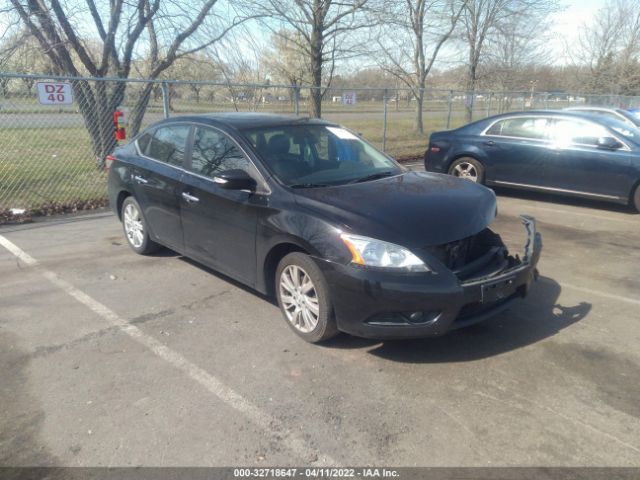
pixel 319 155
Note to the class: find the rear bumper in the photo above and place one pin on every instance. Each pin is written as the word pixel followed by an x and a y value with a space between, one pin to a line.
pixel 377 304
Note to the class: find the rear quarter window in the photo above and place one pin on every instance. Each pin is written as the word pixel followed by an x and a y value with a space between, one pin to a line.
pixel 143 142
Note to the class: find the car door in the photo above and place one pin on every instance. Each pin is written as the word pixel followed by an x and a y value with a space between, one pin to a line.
pixel 219 224
pixel 157 180
pixel 577 164
pixel 516 148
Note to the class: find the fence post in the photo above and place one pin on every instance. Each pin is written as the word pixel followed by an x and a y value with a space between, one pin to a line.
pixel 524 101
pixel 449 105
pixel 384 128
pixel 489 104
pixel 165 99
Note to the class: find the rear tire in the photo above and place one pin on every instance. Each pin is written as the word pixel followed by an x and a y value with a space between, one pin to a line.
pixel 135 228
pixel 303 297
pixel 468 168
pixel 635 200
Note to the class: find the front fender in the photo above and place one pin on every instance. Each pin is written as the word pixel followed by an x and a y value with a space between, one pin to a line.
pixel 315 236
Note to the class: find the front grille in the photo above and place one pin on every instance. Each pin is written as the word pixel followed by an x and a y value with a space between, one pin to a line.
pixel 456 254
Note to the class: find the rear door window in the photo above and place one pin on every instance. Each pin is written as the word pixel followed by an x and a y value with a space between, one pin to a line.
pixel 214 152
pixel 168 144
pixel 521 127
pixel 572 132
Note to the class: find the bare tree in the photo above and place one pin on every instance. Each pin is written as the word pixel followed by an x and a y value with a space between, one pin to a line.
pixel 609 47
pixel 518 44
pixel 240 60
pixel 21 53
pixel 199 67
pixel 424 26
pixel 514 56
pixel 483 19
pixel 167 30
pixel 325 32
pixel 286 63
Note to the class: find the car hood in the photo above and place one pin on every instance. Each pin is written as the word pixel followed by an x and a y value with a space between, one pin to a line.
pixel 414 209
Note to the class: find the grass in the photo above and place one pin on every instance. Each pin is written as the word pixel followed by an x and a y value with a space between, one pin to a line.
pixel 42 166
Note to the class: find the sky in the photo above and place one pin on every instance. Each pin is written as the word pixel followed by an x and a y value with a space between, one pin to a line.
pixel 567 25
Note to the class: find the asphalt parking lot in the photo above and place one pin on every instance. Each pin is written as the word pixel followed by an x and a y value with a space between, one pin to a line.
pixel 109 358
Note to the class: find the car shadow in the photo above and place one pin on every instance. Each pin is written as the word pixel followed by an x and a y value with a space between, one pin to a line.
pixel 531 320
pixel 528 321
pixel 564 200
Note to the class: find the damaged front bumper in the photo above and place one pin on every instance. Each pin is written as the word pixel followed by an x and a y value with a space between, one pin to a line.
pixel 381 304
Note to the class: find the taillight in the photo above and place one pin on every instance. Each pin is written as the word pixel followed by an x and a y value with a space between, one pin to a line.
pixel 434 149
pixel 109 161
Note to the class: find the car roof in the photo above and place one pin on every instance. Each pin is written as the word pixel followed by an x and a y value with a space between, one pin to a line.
pixel 248 120
pixel 563 112
pixel 599 109
pixel 547 113
pixel 577 114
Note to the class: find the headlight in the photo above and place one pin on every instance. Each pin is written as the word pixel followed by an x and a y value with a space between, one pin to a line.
pixel 376 253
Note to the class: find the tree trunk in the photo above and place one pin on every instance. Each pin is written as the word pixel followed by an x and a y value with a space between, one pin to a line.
pixel 140 109
pixel 4 87
pixel 97 106
pixel 471 87
pixel 316 71
pixel 419 127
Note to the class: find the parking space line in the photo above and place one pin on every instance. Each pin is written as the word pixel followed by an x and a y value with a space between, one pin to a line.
pixel 292 440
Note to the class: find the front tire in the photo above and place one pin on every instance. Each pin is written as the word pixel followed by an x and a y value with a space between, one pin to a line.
pixel 135 228
pixel 303 297
pixel 468 168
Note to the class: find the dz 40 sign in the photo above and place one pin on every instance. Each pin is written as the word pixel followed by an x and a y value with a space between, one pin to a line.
pixel 52 93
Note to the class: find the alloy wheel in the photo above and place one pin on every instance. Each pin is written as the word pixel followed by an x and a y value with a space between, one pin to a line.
pixel 299 298
pixel 133 226
pixel 466 170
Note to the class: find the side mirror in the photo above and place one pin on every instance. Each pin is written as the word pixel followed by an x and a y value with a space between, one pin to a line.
pixel 235 180
pixel 608 143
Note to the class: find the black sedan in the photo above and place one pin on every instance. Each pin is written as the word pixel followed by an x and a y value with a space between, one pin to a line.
pixel 560 152
pixel 343 236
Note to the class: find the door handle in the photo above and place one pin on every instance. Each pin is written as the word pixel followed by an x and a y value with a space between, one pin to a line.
pixel 489 143
pixel 140 180
pixel 190 198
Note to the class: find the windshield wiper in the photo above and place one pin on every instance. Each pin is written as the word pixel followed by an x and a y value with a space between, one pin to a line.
pixel 373 176
pixel 308 185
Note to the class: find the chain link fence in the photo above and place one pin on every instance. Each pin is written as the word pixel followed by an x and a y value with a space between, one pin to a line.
pixel 52 155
